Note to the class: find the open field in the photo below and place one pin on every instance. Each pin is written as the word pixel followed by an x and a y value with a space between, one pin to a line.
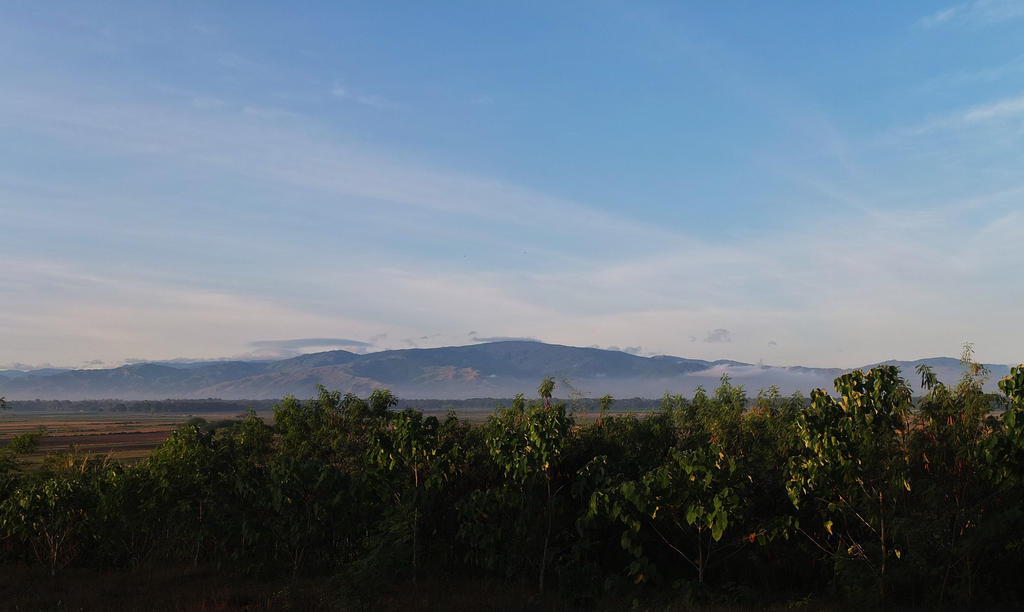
pixel 126 437
pixel 129 437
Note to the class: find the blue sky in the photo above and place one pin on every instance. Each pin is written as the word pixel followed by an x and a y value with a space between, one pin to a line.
pixel 802 183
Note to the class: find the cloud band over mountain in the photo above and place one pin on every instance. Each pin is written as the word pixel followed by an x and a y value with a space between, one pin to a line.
pixel 297 344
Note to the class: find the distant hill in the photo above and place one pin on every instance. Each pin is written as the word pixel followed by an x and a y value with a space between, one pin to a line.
pixel 495 369
pixel 9 374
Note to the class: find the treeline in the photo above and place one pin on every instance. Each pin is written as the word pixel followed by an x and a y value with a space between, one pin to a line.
pixel 473 406
pixel 485 405
pixel 182 406
pixel 866 498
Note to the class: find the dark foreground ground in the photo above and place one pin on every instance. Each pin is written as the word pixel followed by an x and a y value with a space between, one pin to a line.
pixel 190 589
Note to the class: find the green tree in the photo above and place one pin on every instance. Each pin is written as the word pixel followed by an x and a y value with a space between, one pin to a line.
pixel 52 512
pixel 687 503
pixel 424 454
pixel 184 477
pixel 854 469
pixel 319 459
pixel 527 441
pixel 12 471
pixel 606 401
pixel 546 388
pixel 685 498
pixel 953 479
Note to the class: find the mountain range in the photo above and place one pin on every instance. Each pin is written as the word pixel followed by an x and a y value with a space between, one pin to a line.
pixel 494 369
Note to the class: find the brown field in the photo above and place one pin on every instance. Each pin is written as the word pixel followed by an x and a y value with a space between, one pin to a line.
pixel 125 437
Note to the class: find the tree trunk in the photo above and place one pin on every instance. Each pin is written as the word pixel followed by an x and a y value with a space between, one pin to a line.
pixel 885 548
pixel 547 535
pixel 415 519
pixel 700 557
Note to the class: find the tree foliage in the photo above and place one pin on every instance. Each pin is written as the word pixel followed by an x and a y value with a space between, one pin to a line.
pixel 867 495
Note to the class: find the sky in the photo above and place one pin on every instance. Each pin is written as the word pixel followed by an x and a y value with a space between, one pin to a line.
pixel 807 183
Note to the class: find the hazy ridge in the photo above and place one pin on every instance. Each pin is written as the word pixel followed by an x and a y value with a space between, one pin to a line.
pixel 495 369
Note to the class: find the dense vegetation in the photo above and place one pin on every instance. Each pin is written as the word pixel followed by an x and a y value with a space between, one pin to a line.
pixel 865 497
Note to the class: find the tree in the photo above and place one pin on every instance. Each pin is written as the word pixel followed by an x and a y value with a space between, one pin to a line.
pixel 684 499
pixel 1013 386
pixel 381 401
pixel 1007 448
pixel 11 467
pixel 184 475
pixel 953 484
pixel 322 450
pixel 423 453
pixel 687 503
pixel 53 511
pixel 853 469
pixel 546 388
pixel 606 402
pixel 526 442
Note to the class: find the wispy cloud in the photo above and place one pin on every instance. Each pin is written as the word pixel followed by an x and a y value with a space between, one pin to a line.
pixel 281 147
pixel 989 112
pixel 1003 109
pixel 85 315
pixel 976 12
pixel 859 277
pixel 298 344
pixel 989 74
pixel 475 338
pixel 371 100
pixel 939 17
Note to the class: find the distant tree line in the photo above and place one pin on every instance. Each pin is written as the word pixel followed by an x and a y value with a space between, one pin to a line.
pixel 479 405
pixel 176 406
pixel 485 405
pixel 866 497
